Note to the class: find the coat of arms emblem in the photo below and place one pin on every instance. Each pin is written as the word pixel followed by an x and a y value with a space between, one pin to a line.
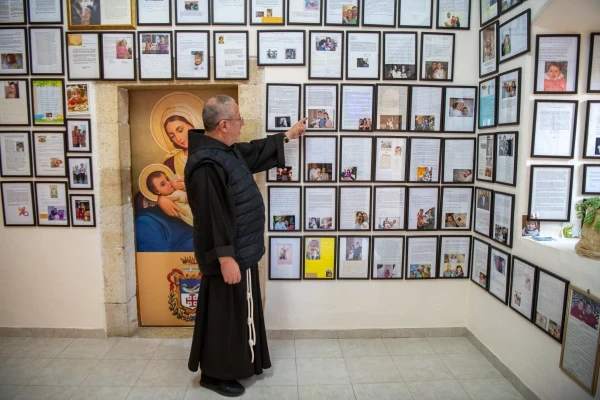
pixel 184 287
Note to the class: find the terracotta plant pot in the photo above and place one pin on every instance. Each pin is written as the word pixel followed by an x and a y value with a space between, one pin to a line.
pixel 589 244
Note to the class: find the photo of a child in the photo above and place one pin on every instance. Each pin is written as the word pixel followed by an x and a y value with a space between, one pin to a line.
pixel 529 228
pixel 555 78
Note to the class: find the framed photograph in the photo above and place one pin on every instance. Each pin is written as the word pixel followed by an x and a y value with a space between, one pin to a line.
pixel 423 205
pixel 300 12
pixel 79 135
pixel 320 158
pixel 488 96
pixel 426 108
pixel 320 210
pixel 488 52
pixel 156 55
pixel 461 109
pixel 354 208
pixel 593 78
pixel 530 228
pixel 285 204
pixel 488 11
pixel 49 154
pixel 485 157
pixel 362 55
pixel 357 106
pixel 46 51
pixel 554 125
pixel 267 13
pixel 507 144
pixel 282 48
pixel 14 13
pixel 285 258
pixel 387 257
pixel 421 257
pixel 192 55
pixel 425 159
pixel 480 262
pixel 507 5
pixel 499 272
pixel 379 13
pixel 579 352
pixel 83 211
pixel 291 172
pixel 14 50
pixel 338 13
pixel 515 36
pixel 522 287
pixel 225 12
pixel 550 193
pixel 458 161
pixel 399 59
pixel 591 141
pixel 483 212
pixel 390 159
pixel 550 303
pixel 319 257
pixel 231 55
pixel 118 56
pixel 91 16
pixel 18 204
pixel 415 14
pixel 283 106
pixel 454 257
pixel 390 208
pixel 326 55
pixel 556 64
pixel 457 203
pixel 354 256
pixel 355 163
pixel 52 207
pixel 437 57
pixel 78 99
pixel 454 14
pixel 14 103
pixel 509 97
pixel 192 12
pixel 504 216
pixel 80 173
pixel 45 12
pixel 155 12
pixel 83 56
pixel 392 108
pixel 15 154
pixel 591 179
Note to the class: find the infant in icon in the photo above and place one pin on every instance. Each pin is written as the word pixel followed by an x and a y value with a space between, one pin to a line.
pixel 159 184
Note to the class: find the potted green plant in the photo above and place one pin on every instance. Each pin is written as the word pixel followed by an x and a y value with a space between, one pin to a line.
pixel 589 213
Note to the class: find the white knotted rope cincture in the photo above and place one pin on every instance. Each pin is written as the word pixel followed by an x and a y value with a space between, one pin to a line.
pixel 250 301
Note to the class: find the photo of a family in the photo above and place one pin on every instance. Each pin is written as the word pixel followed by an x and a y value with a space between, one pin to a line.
pixel 452 20
pixel 325 43
pixel 462 175
pixel 57 213
pixel 403 71
pixel 365 124
pixel 424 122
pixel 348 174
pixel 420 270
pixel 388 223
pixel 284 222
pixel 321 118
pixel 155 44
pixel 82 211
pixel 320 223
pixel 505 146
pixel 362 63
pixel 78 137
pixel 484 199
pixel 455 220
pixel 509 89
pixel 585 310
pixel 426 220
pixel 362 220
pixel 353 249
pixel 461 107
pixel 501 233
pixel 436 70
pixel 453 266
pixel 349 14
pixel 319 171
pixel 284 174
pixel 390 122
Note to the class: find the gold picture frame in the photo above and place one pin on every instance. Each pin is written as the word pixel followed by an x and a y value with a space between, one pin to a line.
pixel 82 15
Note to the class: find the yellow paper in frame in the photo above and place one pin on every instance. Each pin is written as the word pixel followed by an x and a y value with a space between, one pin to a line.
pixel 319 258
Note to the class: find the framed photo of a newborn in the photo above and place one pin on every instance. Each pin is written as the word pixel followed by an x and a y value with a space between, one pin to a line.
pixel 98 15
pixel 556 64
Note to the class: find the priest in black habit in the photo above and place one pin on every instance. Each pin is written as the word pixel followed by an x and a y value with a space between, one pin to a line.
pixel 230 340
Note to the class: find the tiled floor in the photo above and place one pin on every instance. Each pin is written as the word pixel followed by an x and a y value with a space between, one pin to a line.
pixel 331 369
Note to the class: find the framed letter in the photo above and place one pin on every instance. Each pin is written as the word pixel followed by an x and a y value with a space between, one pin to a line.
pixel 485 157
pixel 421 257
pixel 488 52
pixel 354 257
pixel 388 257
pixel 280 48
pixel 554 125
pixel 192 54
pixel 154 12
pixel 550 193
pixel 14 48
pixel 14 103
pixel 354 208
pixel 423 208
pixel 320 208
pixel 390 159
pixel 514 36
pixel 459 161
pixel 461 109
pixel 283 106
pixel 49 153
pixel 267 12
pixel 114 15
pixel 488 94
pixel 226 12
pixel 52 204
pixel 453 14
pixel 522 287
pixel 362 55
pixel 231 55
pixel 593 81
pixel 118 61
pixel 488 11
pixel 499 272
pixel 355 162
pixel 400 55
pixel 15 154
pixel 291 172
pixel 46 51
pixel 480 263
pixel 18 204
pixel 437 57
pixel 285 257
pixel 45 12
pixel 504 212
pixel 320 106
pixel 14 12
pixel 457 203
pixel 300 12
pixel 509 98
pixel 83 56
pixel 415 14
pixel 506 158
pixel 377 13
pixel 483 215
pixel 79 136
pixel 550 300
pixel 285 204
pixel 425 160
pixel 591 143
pixel 319 257
pixel 320 158
pixel 389 211
pixel 80 173
pixel 454 258
pixel 591 179
pixel 191 12
pixel 426 108
pixel 342 13
pixel 83 212
pixel 48 98
pixel 392 108
pixel 556 64
pixel 156 56
pixel 325 58
pixel 357 108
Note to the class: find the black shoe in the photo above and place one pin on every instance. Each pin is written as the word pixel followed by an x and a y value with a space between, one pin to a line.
pixel 223 387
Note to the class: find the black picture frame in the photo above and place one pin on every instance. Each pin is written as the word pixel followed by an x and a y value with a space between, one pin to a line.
pixel 373 265
pixel 299 219
pixel 435 254
pixel 290 22
pixel 90 173
pixel 541 271
pixel 299 238
pixel 380 87
pixel 534 134
pixel 92 210
pixel 517 94
pixel 377 59
pixel 400 25
pixel 405 149
pixel 495 25
pixel 507 274
pixel 62 50
pixel 104 36
pixel 283 13
pixel 267 116
pixel 373 101
pixel 35 155
pixel 467 270
pixel 498 150
pixel 3 174
pixel 483 23
pixel 306 161
pixel 510 236
pixel 527 13
pixel 245 78
pixel 404 204
pixel 23 6
pixel 462 157
pixel 340 166
pixel 208 16
pixel 30 21
pixel 99 54
pixel 26 50
pixel 262 62
pixel 567 218
pixel 487 264
pixel 358 15
pixel 333 267
pixel 423 63
pixel 140 23
pixel 384 66
pixel 538 40
pixel 492 175
pixel 368 260
pixel 438 26
pixel 409 159
pixel 487 83
pixel 408 208
pixel 211 8
pixel 206 59
pixel 26 213
pixel 369 208
pixel 67 205
pixel 533 287
pixel 593 37
pixel 335 224
pixel 339 48
pixel 23 85
pixel 466 228
pixel 589 129
pixel 489 195
pixel 295 172
pixel 171 58
pixel 411 113
pixel 392 25
pixel 584 189
pixel 447 111
pixel 515 3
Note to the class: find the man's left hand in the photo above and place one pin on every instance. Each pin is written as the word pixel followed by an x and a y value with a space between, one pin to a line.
pixel 297 130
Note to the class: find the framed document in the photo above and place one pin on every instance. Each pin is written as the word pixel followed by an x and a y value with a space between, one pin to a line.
pixel 579 353
pixel 425 159
pixel 437 57
pixel 267 12
pixel 459 161
pixel 285 258
pixel 80 173
pixel 156 55
pixel 591 179
pixel 591 142
pixel 454 258
pixel 356 159
pixel 483 215
pixel 83 56
pixel 507 5
pixel 357 107
pixel 488 94
pixel 78 99
pixel 225 12
pixel 390 159
pixel 14 103
pixel 593 78
pixel 48 99
pixel 231 55
pixel 400 55
pixel 499 271
pixel 52 204
pixel 300 12
pixel 504 213
pixel 285 205
pixel 509 97
pixel 454 14
pixel 97 15
pixel 522 287
pixel 191 12
pixel 79 135
pixel 18 204
pixel 556 64
pixel 354 257
pixel 480 263
pixel 49 154
pixel 390 208
pixel 83 212
pixel 377 13
pixel 461 109
pixel 426 108
pixel 283 106
pixel 362 55
pixel 415 13
pixel 15 155
pixel 320 211
pixel 423 203
pixel 342 13
pixel 320 158
pixel 292 171
pixel 488 52
pixel 325 58
pixel 421 257
pixel 485 157
pixel 319 257
pixel 514 36
pixel 457 203
pixel 354 208
pixel 320 106
pixel 192 54
pixel 118 61
pixel 488 11
pixel 550 300
pixel 388 257
pixel 153 12
pixel 14 13
pixel 506 158
pixel 14 48
pixel 554 125
pixel 392 108
pixel 550 193
pixel 45 12
pixel 280 48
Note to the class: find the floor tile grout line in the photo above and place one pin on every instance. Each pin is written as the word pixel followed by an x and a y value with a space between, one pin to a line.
pixel 349 378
